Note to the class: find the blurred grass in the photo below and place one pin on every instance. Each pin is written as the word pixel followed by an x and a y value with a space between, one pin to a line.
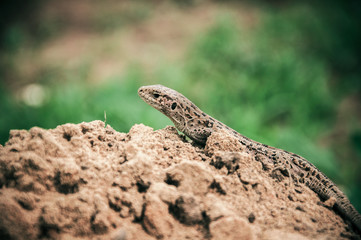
pixel 280 83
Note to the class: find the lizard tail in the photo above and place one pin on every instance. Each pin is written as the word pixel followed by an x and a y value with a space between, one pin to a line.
pixel 349 211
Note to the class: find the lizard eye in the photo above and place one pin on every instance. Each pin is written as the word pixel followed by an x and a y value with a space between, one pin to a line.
pixel 155 95
pixel 174 105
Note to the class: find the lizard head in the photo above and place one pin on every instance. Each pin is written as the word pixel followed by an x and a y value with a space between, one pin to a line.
pixel 186 116
pixel 165 100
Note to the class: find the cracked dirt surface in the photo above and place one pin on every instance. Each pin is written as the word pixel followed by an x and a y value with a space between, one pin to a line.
pixel 88 181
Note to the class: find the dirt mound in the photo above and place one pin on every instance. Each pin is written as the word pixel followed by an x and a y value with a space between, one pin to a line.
pixel 82 181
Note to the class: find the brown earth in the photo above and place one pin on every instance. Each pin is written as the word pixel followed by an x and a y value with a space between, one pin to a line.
pixel 88 181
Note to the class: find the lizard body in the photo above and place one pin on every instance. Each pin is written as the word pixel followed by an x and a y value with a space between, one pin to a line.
pixel 198 126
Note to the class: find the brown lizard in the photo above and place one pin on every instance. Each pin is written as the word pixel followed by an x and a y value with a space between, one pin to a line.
pixel 198 126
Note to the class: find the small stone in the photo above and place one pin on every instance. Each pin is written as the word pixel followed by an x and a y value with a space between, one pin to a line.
pixel 248 176
pixel 191 177
pixel 222 140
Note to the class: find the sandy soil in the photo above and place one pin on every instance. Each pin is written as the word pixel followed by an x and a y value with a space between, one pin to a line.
pixel 88 181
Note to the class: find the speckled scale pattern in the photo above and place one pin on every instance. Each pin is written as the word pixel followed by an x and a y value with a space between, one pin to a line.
pixel 198 126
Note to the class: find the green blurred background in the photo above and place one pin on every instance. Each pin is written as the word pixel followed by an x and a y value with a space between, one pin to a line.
pixel 285 73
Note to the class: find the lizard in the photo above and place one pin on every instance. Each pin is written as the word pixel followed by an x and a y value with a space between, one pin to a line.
pixel 198 126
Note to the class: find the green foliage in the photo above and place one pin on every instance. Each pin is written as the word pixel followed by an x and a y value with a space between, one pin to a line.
pixel 275 94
